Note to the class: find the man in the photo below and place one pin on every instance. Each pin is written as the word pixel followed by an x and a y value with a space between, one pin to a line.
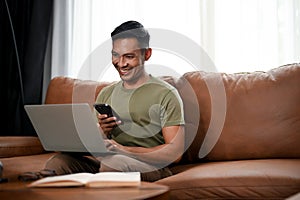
pixel 150 134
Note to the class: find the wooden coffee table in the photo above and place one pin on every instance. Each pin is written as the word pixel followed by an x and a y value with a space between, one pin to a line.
pixel 18 190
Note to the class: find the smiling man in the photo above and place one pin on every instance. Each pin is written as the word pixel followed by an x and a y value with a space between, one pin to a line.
pixel 149 136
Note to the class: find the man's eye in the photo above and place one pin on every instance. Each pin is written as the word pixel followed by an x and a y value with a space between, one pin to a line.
pixel 115 55
pixel 129 56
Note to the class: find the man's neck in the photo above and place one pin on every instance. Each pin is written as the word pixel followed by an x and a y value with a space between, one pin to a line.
pixel 137 82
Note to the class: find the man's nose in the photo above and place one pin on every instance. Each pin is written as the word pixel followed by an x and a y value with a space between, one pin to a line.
pixel 122 62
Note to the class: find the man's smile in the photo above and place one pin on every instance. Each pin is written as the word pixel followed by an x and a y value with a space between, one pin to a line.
pixel 124 71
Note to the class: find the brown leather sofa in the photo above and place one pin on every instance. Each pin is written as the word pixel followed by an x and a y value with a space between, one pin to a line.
pixel 242 134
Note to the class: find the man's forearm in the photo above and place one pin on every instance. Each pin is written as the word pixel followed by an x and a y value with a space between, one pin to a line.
pixel 163 154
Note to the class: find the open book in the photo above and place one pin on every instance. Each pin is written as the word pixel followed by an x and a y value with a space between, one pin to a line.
pixel 102 179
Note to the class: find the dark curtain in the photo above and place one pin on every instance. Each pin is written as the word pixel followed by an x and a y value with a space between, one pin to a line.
pixel 31 21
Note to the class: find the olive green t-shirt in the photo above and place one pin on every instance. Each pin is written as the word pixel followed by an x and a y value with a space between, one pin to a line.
pixel 144 111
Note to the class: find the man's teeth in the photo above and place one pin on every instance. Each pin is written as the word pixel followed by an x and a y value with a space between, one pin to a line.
pixel 124 70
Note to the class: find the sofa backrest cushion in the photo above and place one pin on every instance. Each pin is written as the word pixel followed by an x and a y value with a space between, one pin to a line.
pixel 260 118
pixel 63 90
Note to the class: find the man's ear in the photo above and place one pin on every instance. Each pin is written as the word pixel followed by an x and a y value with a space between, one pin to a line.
pixel 148 53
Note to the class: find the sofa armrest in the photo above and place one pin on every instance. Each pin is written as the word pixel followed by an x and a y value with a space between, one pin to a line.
pixel 11 146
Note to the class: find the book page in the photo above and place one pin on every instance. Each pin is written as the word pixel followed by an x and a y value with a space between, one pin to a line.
pixel 115 179
pixel 115 176
pixel 77 179
pixel 101 179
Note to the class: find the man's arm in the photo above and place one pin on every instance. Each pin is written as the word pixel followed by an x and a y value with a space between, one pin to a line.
pixel 167 153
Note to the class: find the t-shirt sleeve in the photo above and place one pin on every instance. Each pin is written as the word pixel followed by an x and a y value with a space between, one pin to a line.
pixel 172 113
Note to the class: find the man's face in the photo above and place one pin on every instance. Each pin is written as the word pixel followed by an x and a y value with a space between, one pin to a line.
pixel 128 58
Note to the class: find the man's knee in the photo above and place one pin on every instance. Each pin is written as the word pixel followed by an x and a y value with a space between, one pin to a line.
pixel 64 163
pixel 59 163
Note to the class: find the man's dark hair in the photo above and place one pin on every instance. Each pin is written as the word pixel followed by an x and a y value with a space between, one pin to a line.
pixel 132 29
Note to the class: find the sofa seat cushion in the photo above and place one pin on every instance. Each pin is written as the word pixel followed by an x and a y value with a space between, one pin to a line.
pixel 19 146
pixel 252 179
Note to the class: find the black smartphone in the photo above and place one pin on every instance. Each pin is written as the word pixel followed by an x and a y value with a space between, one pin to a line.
pixel 104 108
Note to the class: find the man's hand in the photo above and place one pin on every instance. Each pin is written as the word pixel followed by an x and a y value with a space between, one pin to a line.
pixel 107 123
pixel 112 145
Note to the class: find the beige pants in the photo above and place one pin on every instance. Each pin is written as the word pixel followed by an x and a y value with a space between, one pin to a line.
pixel 66 163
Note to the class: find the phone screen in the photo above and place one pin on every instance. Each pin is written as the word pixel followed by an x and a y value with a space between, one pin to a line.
pixel 106 109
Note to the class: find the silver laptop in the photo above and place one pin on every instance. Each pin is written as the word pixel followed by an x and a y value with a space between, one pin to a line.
pixel 67 128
